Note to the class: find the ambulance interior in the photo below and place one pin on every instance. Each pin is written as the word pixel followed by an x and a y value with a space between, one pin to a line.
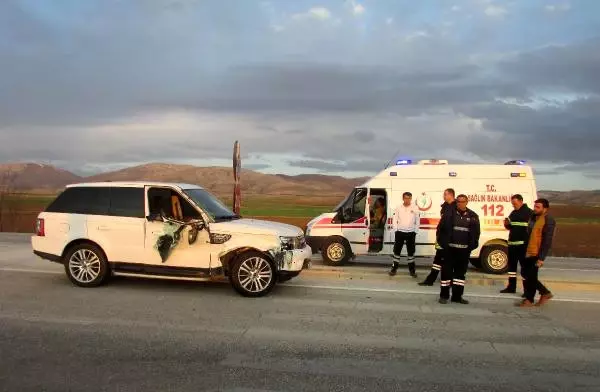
pixel 377 219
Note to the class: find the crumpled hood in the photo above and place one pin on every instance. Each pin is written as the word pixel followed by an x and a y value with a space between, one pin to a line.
pixel 256 226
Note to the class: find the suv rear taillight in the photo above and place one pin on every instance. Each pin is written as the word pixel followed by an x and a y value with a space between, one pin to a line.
pixel 39 227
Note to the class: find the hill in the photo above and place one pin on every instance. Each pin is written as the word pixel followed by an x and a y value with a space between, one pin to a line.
pixel 29 176
pixel 33 177
pixel 583 198
pixel 220 180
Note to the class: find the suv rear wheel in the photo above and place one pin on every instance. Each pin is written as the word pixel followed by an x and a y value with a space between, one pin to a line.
pixel 253 274
pixel 86 265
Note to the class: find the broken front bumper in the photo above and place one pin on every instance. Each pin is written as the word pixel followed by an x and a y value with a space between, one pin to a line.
pixel 294 260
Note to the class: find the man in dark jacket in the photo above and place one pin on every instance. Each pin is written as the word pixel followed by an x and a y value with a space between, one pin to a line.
pixel 516 223
pixel 541 233
pixel 458 234
pixel 449 203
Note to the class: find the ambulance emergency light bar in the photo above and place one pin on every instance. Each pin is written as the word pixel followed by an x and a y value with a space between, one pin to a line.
pixel 401 162
pixel 516 162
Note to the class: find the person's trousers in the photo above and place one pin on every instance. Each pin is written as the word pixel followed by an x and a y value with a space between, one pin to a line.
pixel 516 256
pixel 454 271
pixel 531 282
pixel 399 240
pixel 436 267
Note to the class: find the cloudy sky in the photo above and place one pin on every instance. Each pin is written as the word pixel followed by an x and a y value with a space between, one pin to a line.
pixel 320 86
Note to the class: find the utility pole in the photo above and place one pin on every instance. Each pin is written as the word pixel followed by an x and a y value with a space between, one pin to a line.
pixel 237 168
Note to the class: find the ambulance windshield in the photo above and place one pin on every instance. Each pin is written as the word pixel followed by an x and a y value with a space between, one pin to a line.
pixel 351 195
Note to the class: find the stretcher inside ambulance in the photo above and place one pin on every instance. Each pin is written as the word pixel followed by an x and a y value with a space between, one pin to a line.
pixel 362 223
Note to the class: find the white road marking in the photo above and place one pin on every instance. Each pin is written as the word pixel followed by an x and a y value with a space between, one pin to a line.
pixel 342 288
pixel 31 271
pixel 402 291
pixel 569 269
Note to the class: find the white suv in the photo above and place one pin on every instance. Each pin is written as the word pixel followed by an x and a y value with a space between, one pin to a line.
pixel 164 230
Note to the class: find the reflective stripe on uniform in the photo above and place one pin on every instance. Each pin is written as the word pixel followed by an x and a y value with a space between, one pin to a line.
pixel 436 267
pixel 458 246
pixel 510 273
pixel 445 283
pixel 459 228
pixel 523 224
pixel 437 246
pixel 458 282
pixel 516 242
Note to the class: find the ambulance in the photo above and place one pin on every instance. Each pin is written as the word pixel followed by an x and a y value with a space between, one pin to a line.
pixel 348 230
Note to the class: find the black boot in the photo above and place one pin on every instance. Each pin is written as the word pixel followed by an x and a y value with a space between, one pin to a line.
pixel 460 300
pixel 512 286
pixel 430 279
pixel 394 268
pixel 411 269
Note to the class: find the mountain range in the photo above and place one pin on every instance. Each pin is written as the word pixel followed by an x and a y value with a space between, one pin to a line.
pixel 40 178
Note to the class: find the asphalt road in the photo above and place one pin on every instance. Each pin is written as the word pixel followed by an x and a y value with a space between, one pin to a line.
pixel 149 335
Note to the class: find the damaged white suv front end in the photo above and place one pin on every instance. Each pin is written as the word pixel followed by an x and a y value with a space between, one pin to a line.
pixel 284 244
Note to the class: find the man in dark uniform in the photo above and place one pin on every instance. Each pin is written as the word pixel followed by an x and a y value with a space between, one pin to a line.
pixel 459 233
pixel 517 223
pixel 449 203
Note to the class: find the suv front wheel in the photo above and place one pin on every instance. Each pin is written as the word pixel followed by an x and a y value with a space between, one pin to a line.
pixel 86 265
pixel 253 274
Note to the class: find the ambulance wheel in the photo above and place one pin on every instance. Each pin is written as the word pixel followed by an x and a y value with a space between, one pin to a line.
pixel 336 251
pixel 494 259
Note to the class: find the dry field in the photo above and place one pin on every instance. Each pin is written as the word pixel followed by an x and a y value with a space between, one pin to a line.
pixel 577 233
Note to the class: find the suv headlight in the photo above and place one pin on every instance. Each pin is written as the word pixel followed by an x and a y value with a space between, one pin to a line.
pixel 291 243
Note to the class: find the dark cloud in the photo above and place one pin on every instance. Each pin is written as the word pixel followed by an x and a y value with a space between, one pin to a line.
pixel 348 166
pixel 364 136
pixel 567 133
pixel 565 68
pixel 71 87
pixel 589 170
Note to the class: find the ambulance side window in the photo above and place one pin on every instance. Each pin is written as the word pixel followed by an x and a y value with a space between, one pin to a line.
pixel 354 208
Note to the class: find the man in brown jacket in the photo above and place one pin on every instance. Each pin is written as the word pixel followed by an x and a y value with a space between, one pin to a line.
pixel 541 232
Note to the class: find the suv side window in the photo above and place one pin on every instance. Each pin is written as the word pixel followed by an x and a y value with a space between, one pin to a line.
pixel 162 199
pixel 127 202
pixel 82 200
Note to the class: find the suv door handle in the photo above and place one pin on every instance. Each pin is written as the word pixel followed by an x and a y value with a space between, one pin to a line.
pixel 103 228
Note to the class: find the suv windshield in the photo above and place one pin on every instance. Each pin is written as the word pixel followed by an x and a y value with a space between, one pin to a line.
pixel 210 204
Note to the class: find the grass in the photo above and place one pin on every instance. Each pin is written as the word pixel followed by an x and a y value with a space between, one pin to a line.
pixel 578 221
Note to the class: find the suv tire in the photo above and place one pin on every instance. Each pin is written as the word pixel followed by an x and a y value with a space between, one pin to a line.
pixel 86 265
pixel 253 274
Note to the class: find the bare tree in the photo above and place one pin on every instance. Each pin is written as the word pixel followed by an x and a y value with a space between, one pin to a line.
pixel 7 183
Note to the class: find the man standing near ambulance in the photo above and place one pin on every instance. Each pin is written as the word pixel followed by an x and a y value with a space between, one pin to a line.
pixel 458 234
pixel 516 223
pixel 406 226
pixel 448 204
pixel 541 232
